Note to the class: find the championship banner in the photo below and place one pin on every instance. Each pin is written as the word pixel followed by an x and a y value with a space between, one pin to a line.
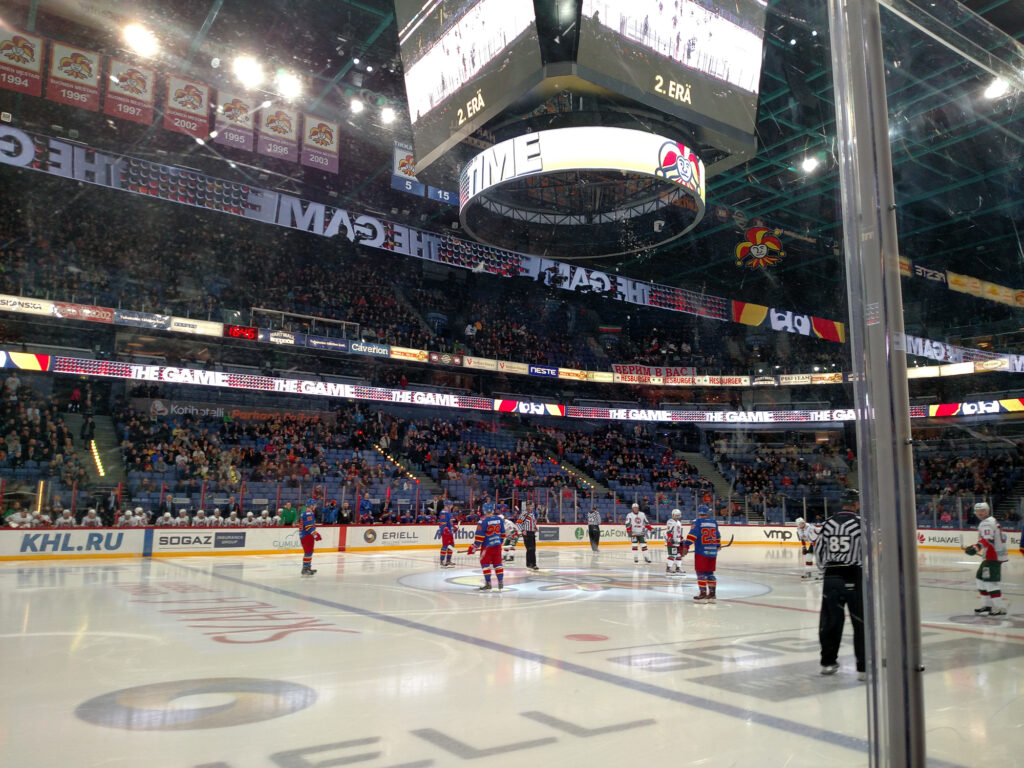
pixel 319 144
pixel 74 77
pixel 279 133
pixel 130 92
pixel 187 108
pixel 21 62
pixel 234 120
pixel 403 170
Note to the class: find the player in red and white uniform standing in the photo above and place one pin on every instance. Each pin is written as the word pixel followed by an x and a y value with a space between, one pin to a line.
pixel 992 548
pixel 489 535
pixel 807 534
pixel 307 535
pixel 706 541
pixel 637 528
pixel 674 541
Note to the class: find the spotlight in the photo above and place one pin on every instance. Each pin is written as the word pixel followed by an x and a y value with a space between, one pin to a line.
pixel 140 40
pixel 357 106
pixel 997 89
pixel 288 85
pixel 387 114
pixel 248 71
pixel 809 164
pixel 356 61
pixel 369 68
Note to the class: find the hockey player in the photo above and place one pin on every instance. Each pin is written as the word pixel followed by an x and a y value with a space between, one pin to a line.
pixel 674 541
pixel 807 535
pixel 447 531
pixel 250 521
pixel 65 520
pixel 91 520
pixel 511 536
pixel 182 520
pixel 124 520
pixel 489 534
pixel 705 540
pixel 167 521
pixel 637 528
pixel 992 548
pixel 232 521
pixel 201 520
pixel 275 521
pixel 307 535
pixel 216 521
pixel 265 521
pixel 20 519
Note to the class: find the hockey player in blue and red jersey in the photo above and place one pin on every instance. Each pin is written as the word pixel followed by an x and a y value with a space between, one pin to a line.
pixel 447 531
pixel 706 541
pixel 489 536
pixel 307 535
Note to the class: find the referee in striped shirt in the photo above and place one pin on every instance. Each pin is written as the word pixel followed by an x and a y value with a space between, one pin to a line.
pixel 594 527
pixel 527 524
pixel 838 553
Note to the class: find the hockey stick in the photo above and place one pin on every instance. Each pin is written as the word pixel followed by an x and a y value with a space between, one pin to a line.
pixel 726 546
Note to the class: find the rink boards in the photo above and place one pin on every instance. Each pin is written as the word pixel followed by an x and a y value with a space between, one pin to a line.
pixel 78 543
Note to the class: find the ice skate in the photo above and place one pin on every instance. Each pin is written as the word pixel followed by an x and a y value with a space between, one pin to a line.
pixel 983 610
pixel 308 571
pixel 829 669
pixel 701 598
pixel 997 612
pixel 484 588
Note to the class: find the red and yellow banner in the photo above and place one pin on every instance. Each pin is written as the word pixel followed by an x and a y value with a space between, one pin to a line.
pixel 320 144
pixel 130 92
pixel 279 133
pixel 21 62
pixel 187 108
pixel 74 77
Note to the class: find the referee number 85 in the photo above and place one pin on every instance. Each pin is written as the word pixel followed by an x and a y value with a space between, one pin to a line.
pixel 837 544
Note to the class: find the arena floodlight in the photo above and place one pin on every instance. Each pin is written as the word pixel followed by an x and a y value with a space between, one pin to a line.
pixel 810 164
pixel 141 40
pixel 997 89
pixel 248 71
pixel 357 106
pixel 387 115
pixel 288 85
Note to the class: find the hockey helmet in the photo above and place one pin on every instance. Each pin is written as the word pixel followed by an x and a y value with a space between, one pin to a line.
pixel 676 514
pixel 800 521
pixel 703 509
pixel 635 505
pixel 851 496
pixel 982 509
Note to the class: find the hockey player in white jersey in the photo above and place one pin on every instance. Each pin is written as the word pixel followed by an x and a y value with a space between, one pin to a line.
pixel 250 521
pixel 201 520
pixel 674 536
pixel 216 521
pixel 124 520
pixel 65 520
pixel 511 536
pixel 91 520
pixel 992 548
pixel 265 521
pixel 275 521
pixel 182 520
pixel 637 528
pixel 807 534
pixel 232 521
pixel 165 521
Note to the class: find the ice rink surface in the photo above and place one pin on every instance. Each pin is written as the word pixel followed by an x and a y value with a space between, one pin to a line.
pixel 386 661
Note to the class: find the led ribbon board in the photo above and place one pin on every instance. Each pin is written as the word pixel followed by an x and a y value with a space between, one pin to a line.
pixel 620 190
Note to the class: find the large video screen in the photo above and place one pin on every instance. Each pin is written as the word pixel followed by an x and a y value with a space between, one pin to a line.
pixel 685 57
pixel 464 61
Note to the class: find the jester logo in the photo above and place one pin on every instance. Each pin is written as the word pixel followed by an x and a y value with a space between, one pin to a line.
pixel 76 65
pixel 236 110
pixel 677 162
pixel 321 134
pixel 761 249
pixel 407 166
pixel 189 97
pixel 279 122
pixel 133 81
pixel 18 49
